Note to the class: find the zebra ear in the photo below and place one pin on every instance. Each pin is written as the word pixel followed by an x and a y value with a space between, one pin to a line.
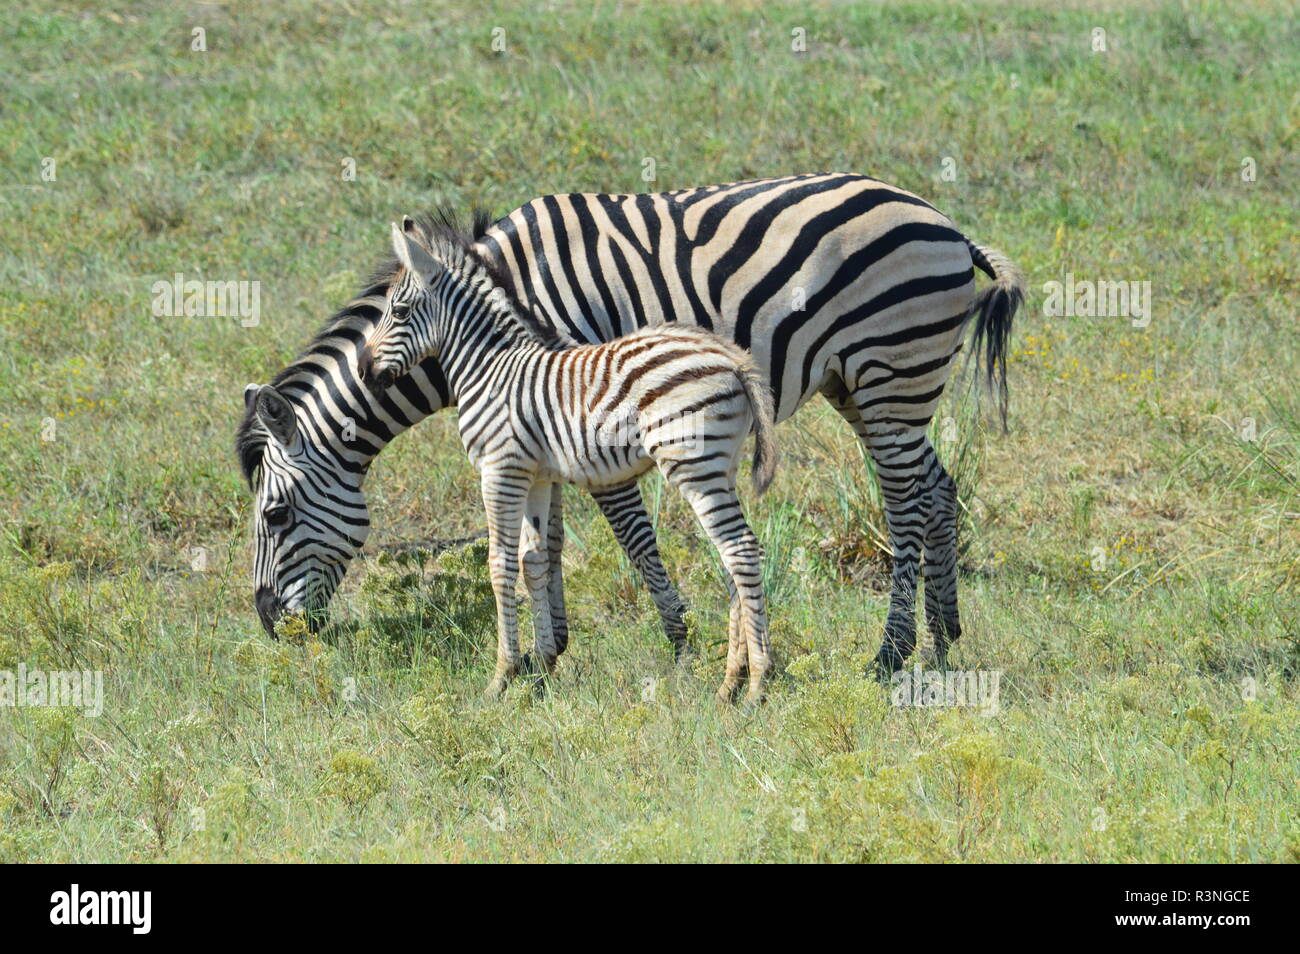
pixel 250 392
pixel 276 414
pixel 400 246
pixel 412 254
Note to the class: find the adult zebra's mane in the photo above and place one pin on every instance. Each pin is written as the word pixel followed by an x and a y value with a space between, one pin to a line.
pixel 354 320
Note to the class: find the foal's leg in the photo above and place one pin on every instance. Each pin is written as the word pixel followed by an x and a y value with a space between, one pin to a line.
pixel 503 498
pixel 555 585
pixel 697 453
pixel 718 510
pixel 735 632
pixel 535 557
pixel 555 581
pixel 737 649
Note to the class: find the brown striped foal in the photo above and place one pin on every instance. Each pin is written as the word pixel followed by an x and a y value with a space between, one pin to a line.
pixel 537 412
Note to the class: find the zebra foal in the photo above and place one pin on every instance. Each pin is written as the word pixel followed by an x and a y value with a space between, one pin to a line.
pixel 537 411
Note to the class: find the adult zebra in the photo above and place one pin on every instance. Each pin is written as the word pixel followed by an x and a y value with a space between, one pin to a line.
pixel 839 284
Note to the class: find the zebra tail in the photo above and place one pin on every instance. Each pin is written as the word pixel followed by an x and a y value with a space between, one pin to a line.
pixel 993 309
pixel 760 405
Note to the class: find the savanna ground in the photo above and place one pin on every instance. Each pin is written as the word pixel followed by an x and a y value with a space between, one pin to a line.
pixel 1132 550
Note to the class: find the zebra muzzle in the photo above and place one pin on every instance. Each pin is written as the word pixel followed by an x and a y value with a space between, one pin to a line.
pixel 269 608
pixel 380 380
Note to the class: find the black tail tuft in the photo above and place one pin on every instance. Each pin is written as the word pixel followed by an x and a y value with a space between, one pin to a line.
pixel 993 310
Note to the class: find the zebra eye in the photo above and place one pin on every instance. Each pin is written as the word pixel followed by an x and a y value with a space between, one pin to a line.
pixel 276 516
pixel 401 310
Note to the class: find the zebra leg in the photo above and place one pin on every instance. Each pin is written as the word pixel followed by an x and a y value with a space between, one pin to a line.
pixel 906 513
pixel 735 632
pixel 941 615
pixel 902 455
pixel 737 652
pixel 625 510
pixel 535 558
pixel 720 515
pixel 503 497
pixel 555 581
pixel 555 550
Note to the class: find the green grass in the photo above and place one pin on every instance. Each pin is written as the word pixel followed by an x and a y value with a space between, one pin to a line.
pixel 1132 548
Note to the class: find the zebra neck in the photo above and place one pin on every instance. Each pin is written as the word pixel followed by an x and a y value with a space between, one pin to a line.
pixel 346 424
pixel 481 338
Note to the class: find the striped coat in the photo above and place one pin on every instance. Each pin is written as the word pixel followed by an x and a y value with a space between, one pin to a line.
pixel 840 285
pixel 536 412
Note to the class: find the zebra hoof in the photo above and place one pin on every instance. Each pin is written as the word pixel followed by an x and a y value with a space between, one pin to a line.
pixel 495 690
pixel 726 694
pixel 884 666
pixel 538 666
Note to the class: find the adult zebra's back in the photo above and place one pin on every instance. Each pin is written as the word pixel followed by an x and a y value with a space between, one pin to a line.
pixel 838 284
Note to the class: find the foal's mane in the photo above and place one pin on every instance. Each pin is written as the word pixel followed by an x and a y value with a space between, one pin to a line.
pixel 354 320
pixel 442 235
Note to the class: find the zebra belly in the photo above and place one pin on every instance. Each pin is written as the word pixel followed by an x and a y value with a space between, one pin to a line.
pixel 609 461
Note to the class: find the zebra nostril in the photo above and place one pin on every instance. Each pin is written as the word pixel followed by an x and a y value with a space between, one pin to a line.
pixel 365 362
pixel 385 378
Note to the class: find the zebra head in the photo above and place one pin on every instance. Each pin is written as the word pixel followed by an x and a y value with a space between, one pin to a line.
pixel 310 518
pixel 407 332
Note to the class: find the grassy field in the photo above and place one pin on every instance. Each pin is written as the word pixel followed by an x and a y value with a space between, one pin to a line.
pixel 1132 561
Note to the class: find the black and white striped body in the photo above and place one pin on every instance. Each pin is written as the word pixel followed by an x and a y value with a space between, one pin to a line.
pixel 536 412
pixel 838 284
pixel 584 427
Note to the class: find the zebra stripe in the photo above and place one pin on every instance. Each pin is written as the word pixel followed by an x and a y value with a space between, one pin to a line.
pixel 535 413
pixel 886 285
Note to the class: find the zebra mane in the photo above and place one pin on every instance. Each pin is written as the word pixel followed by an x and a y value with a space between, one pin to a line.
pixel 353 322
pixel 458 250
